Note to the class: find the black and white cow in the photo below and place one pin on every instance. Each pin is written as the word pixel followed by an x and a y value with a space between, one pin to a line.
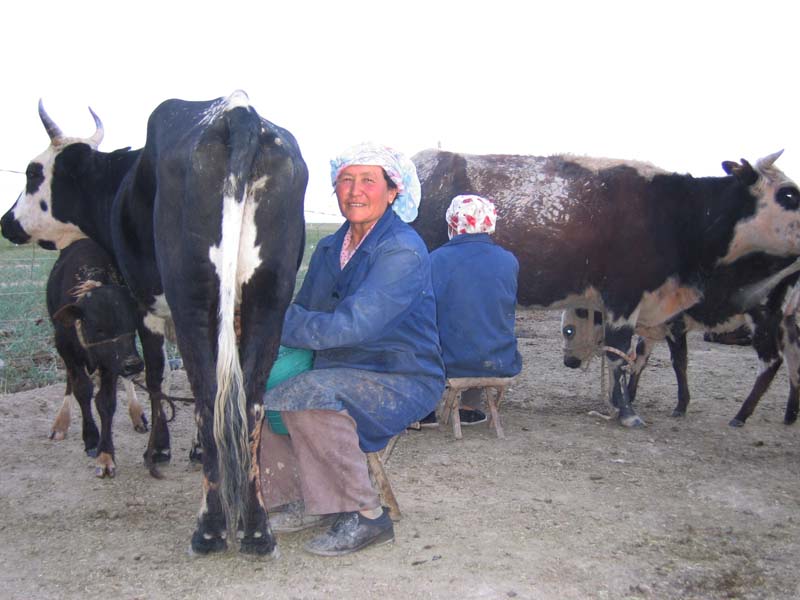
pixel 639 239
pixel 205 219
pixel 94 321
pixel 771 323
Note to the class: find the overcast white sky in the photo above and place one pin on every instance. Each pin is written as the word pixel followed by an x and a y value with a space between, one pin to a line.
pixel 682 84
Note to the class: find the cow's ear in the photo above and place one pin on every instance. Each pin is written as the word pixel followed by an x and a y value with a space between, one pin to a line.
pixel 68 314
pixel 744 172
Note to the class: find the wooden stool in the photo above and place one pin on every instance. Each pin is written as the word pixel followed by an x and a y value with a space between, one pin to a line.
pixel 452 399
pixel 376 462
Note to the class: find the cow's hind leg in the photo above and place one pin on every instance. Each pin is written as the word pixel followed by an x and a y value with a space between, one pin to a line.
pixel 264 301
pixel 211 532
pixel 257 538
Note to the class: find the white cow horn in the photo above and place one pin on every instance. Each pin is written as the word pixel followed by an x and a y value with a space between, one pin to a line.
pixel 53 130
pixel 98 132
pixel 768 161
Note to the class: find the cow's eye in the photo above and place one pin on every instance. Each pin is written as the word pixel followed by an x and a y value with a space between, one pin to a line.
pixel 788 198
pixel 568 331
pixel 35 176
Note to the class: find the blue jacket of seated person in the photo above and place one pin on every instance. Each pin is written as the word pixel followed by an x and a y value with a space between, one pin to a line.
pixel 375 317
pixel 475 282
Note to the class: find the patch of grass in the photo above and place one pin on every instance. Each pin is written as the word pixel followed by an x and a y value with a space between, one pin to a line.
pixel 26 337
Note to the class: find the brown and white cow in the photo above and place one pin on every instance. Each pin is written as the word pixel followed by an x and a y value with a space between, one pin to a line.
pixel 640 240
pixel 771 325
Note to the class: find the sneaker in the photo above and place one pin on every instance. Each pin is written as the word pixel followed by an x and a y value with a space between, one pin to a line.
pixel 429 420
pixel 294 519
pixel 352 532
pixel 471 416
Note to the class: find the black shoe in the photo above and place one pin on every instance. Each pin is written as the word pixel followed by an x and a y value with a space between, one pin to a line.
pixel 471 417
pixel 429 420
pixel 352 532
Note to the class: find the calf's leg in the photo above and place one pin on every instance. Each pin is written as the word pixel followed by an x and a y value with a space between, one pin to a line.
pixel 82 387
pixel 106 404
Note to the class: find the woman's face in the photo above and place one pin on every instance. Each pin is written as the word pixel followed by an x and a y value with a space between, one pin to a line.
pixel 363 194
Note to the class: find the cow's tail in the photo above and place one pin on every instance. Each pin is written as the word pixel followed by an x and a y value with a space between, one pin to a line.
pixel 230 403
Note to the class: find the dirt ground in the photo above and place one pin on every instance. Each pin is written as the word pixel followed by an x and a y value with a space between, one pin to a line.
pixel 568 506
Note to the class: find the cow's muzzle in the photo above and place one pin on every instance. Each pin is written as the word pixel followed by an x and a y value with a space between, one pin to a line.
pixel 12 230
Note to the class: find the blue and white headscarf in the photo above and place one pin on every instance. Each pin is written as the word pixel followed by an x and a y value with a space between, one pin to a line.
pixel 399 169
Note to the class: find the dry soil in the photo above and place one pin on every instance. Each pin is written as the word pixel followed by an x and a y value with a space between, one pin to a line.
pixel 569 505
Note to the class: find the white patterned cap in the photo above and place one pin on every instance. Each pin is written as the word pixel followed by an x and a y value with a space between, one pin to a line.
pixel 399 169
pixel 470 214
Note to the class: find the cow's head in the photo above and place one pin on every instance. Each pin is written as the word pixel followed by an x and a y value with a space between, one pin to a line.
pixel 582 330
pixel 54 180
pixel 105 320
pixel 774 228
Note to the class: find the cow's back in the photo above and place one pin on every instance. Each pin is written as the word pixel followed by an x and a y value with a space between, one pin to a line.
pixel 571 222
pixel 83 260
pixel 170 209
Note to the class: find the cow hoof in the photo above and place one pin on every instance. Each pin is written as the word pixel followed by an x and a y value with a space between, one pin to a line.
pixel 105 466
pixel 633 421
pixel 141 426
pixel 91 452
pixel 159 456
pixel 57 435
pixel 203 545
pixel 678 414
pixel 196 455
pixel 259 547
pixel 736 423
pixel 101 471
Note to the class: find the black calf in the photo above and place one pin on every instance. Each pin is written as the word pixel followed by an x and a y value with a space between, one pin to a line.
pixel 94 318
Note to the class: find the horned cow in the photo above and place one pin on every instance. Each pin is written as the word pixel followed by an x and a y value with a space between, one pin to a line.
pixel 637 239
pixel 206 218
pixel 771 325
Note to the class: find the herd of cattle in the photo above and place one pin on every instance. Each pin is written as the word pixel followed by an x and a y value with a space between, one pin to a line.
pixel 205 222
